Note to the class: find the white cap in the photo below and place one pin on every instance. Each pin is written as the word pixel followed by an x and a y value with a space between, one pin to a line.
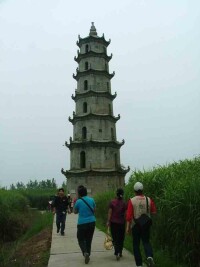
pixel 138 186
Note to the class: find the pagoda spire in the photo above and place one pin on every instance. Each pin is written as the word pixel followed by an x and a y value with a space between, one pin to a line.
pixel 93 31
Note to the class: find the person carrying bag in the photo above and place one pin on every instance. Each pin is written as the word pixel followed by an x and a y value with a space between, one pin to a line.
pixel 108 242
pixel 116 222
pixel 85 208
pixel 139 210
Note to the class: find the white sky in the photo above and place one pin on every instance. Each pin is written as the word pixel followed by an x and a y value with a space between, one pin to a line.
pixel 156 59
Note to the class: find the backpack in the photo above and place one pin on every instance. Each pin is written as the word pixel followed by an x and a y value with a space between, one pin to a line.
pixel 144 221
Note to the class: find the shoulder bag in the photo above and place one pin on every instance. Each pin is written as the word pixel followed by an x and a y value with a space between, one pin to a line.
pixel 87 205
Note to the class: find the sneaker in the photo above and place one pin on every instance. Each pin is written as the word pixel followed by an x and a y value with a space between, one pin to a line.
pixel 62 233
pixel 58 230
pixel 118 257
pixel 87 258
pixel 150 262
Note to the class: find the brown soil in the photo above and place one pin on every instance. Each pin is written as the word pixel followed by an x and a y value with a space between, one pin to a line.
pixel 33 252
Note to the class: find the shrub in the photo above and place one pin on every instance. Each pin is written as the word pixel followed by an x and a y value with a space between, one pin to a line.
pixel 12 205
pixel 38 198
pixel 102 202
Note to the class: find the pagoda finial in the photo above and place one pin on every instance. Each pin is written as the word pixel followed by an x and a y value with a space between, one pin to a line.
pixel 93 31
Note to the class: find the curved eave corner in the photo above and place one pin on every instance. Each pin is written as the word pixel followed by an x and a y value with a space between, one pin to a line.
pixel 84 143
pixel 92 93
pixel 92 71
pixel 91 38
pixel 91 115
pixel 124 170
pixel 94 171
pixel 90 54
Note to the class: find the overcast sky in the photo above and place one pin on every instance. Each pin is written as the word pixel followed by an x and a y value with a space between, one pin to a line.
pixel 156 59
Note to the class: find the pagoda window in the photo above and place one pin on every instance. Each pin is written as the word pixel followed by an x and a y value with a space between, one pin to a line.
pixel 84 133
pixel 112 134
pixel 86 65
pixel 108 85
pixel 85 85
pixel 85 107
pixel 86 48
pixel 110 109
pixel 82 159
pixel 115 159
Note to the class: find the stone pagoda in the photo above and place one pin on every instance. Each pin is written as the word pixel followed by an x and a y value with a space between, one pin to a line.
pixel 94 149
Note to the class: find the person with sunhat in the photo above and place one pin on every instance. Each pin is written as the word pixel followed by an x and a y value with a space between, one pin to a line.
pixel 140 207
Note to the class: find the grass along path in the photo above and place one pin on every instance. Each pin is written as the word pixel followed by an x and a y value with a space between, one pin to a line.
pixel 33 248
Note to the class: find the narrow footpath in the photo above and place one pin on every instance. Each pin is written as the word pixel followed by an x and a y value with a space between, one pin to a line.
pixel 65 251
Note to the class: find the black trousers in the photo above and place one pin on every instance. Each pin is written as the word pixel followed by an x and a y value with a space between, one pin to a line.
pixel 143 235
pixel 60 221
pixel 118 235
pixel 84 235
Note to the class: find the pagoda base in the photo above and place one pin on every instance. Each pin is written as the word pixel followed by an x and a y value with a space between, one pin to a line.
pixel 95 184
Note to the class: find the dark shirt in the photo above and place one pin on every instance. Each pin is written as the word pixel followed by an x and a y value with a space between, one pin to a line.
pixel 118 207
pixel 61 204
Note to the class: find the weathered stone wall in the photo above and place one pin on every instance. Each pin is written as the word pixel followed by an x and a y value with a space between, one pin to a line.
pixel 95 104
pixel 96 129
pixel 95 83
pixel 93 46
pixel 96 157
pixel 95 184
pixel 93 63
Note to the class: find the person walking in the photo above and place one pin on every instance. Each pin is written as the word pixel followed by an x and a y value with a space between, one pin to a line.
pixel 60 207
pixel 116 222
pixel 137 206
pixel 85 208
pixel 70 203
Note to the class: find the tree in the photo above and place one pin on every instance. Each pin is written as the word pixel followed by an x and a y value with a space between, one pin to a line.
pixel 20 185
pixel 64 185
pixel 12 187
pixel 54 185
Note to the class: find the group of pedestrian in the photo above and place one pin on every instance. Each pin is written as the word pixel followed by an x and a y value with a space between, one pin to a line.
pixel 136 215
pixel 133 218
pixel 85 207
